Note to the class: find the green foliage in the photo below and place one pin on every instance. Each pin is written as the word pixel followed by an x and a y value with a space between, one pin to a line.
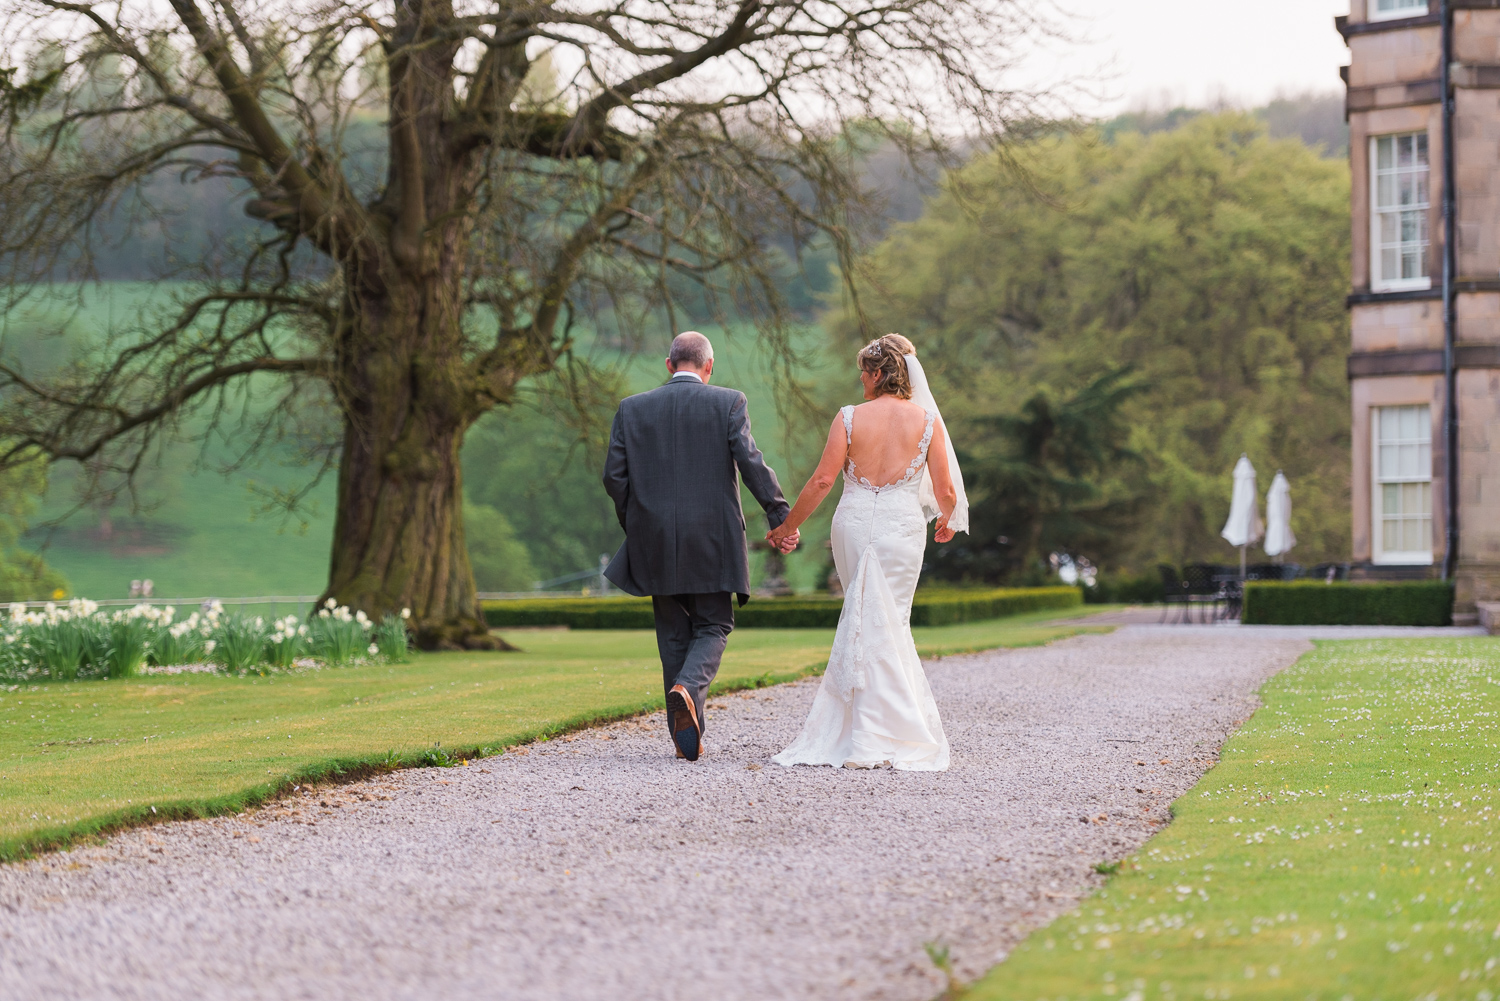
pixel 340 636
pixel 80 641
pixel 391 640
pixel 288 641
pixel 129 636
pixel 1409 603
pixel 1035 479
pixel 501 562
pixel 1211 261
pixel 23 575
pixel 1125 589
pixel 931 608
pixel 536 467
pixel 946 608
pixel 1343 846
pixel 239 644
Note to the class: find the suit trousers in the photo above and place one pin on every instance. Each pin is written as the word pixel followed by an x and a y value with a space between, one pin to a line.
pixel 691 633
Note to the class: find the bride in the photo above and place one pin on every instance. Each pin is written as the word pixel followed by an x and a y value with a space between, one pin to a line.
pixel 874 707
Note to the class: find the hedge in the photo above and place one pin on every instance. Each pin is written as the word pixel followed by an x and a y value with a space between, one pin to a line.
pixel 931 608
pixel 1311 603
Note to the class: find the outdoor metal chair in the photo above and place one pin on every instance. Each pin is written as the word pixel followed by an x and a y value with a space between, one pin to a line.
pixel 1203 586
pixel 1173 593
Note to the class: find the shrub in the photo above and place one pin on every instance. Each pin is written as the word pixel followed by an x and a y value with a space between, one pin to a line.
pixel 931 608
pixel 1126 589
pixel 1310 603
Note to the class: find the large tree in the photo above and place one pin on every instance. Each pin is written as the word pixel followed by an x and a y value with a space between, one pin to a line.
pixel 683 145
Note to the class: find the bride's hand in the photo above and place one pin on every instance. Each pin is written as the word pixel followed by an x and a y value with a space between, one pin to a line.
pixel 943 532
pixel 778 535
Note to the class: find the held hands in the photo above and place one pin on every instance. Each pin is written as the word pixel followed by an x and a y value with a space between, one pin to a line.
pixel 943 533
pixel 784 538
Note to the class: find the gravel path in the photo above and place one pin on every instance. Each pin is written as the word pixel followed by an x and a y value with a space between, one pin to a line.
pixel 598 866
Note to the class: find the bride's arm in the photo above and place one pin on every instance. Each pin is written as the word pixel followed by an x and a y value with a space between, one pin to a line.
pixel 819 484
pixel 942 481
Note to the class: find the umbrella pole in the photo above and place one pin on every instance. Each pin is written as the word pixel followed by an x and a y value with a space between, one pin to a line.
pixel 1242 563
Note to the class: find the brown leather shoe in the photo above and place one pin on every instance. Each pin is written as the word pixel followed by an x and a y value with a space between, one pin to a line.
pixel 682 718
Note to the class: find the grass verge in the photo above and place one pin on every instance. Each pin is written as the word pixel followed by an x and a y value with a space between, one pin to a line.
pixel 1344 847
pixel 86 758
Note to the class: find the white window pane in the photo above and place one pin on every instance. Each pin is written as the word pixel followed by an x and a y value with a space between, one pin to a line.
pixel 1406 189
pixel 1405 151
pixel 1425 530
pixel 1385 152
pixel 1409 427
pixel 1390 263
pixel 1424 459
pixel 1424 504
pixel 1411 227
pixel 1390 539
pixel 1389 423
pixel 1390 223
pixel 1385 190
pixel 1422 148
pixel 1390 499
pixel 1411 539
pixel 1408 462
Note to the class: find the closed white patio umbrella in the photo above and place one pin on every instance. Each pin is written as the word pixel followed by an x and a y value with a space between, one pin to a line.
pixel 1244 525
pixel 1279 537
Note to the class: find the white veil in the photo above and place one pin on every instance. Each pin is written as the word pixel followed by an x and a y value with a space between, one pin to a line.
pixel 921 394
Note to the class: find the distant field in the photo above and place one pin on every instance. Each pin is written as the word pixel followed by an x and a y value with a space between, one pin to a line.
pixel 87 756
pixel 196 535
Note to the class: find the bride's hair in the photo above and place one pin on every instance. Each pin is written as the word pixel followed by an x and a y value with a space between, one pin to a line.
pixel 885 358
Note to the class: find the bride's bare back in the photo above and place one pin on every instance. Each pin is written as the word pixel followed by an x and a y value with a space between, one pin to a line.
pixel 887 436
pixel 882 439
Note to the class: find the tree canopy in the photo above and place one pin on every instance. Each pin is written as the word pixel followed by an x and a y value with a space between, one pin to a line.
pixel 1210 261
pixel 540 166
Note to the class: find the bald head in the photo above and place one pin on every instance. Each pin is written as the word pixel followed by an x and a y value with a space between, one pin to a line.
pixel 691 352
pixel 691 349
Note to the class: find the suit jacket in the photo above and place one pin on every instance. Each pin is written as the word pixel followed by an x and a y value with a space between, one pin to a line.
pixel 673 453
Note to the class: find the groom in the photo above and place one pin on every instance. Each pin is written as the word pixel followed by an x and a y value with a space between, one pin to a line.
pixel 671 467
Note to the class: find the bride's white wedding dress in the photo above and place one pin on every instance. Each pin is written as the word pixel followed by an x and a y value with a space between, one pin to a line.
pixel 874 706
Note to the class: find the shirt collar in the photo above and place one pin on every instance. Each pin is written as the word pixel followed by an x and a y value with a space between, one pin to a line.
pixel 686 375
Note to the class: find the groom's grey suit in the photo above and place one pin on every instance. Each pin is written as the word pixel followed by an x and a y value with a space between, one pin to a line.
pixel 671 467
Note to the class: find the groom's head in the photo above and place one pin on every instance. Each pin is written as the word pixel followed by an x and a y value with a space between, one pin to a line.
pixel 691 352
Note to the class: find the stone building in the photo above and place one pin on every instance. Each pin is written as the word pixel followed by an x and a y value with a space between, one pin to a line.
pixel 1425 314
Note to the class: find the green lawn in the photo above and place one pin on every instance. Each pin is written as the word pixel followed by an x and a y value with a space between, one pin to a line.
pixel 1344 847
pixel 81 757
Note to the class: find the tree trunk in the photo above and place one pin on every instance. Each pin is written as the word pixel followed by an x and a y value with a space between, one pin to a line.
pixel 398 540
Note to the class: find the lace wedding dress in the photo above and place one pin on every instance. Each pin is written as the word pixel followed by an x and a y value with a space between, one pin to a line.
pixel 874 707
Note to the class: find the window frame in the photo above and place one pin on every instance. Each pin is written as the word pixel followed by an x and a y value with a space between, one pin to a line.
pixel 1378 554
pixel 1374 13
pixel 1379 283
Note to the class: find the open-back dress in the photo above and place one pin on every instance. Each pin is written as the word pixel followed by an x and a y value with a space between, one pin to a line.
pixel 874 707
